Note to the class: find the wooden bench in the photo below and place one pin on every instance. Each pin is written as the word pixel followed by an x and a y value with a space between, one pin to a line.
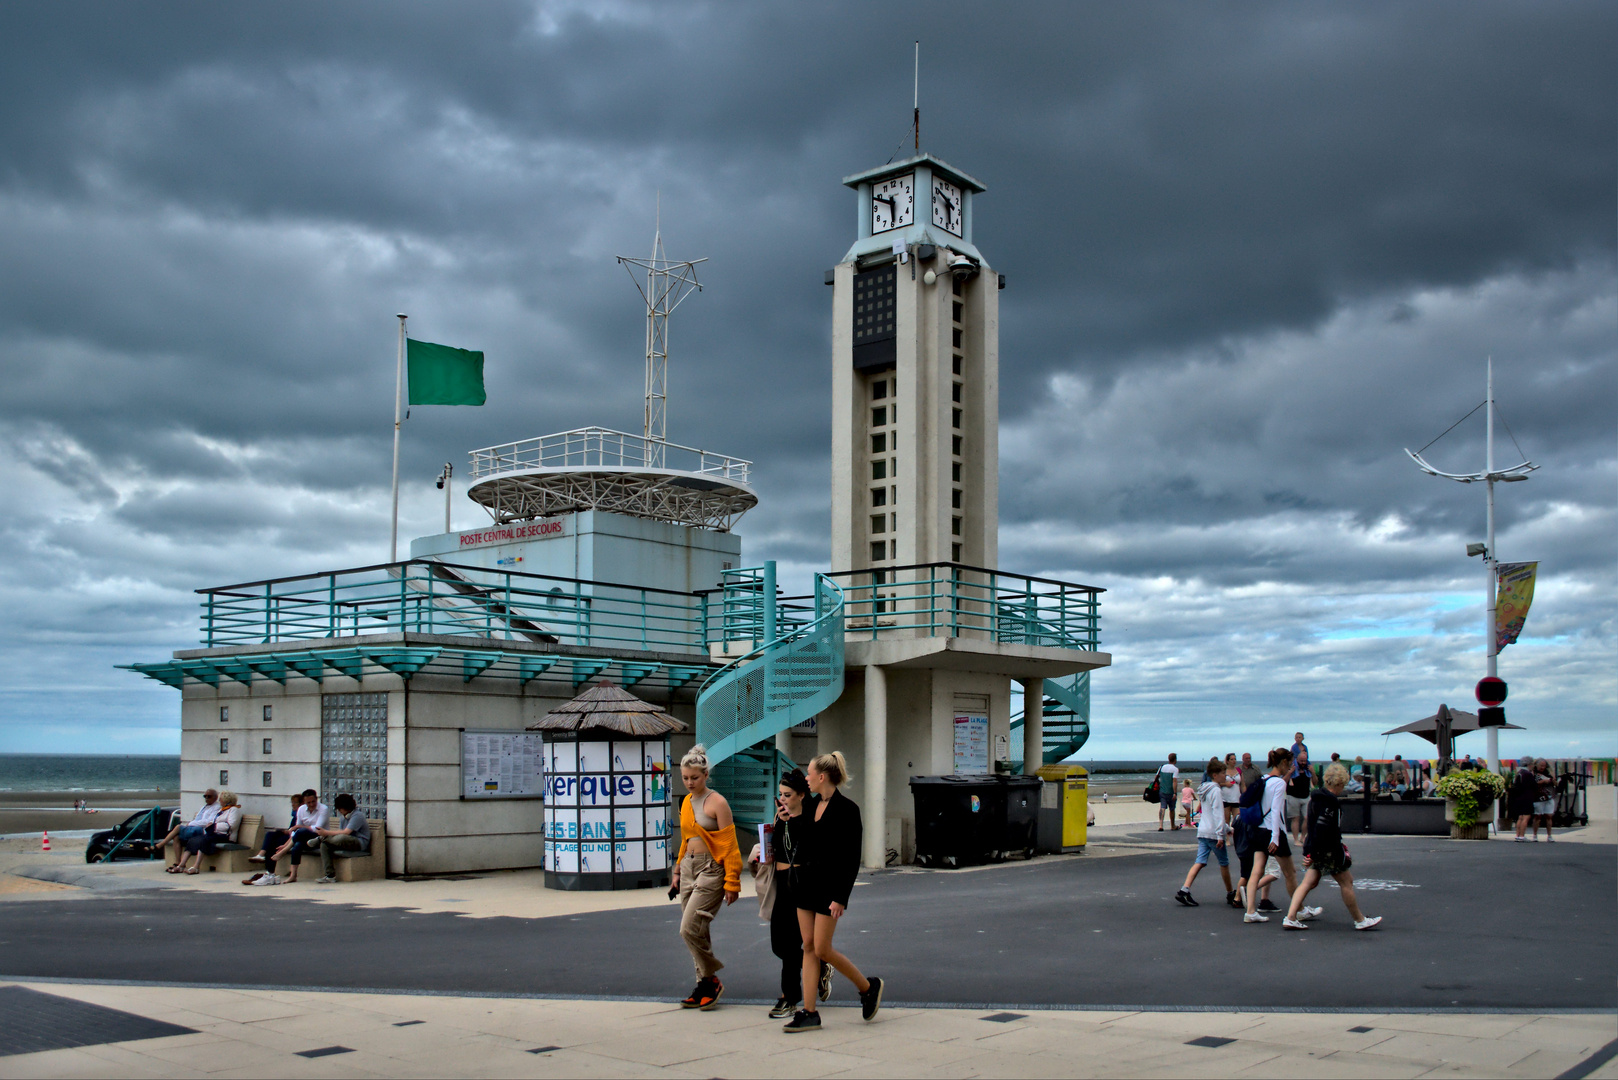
pixel 231 858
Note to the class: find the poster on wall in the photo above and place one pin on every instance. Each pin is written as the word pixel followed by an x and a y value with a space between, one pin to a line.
pixel 971 743
pixel 502 765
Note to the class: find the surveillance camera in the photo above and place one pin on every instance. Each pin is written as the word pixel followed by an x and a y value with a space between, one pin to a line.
pixel 1476 549
pixel 440 483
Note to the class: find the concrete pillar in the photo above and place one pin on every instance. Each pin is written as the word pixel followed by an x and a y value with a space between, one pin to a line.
pixel 1033 725
pixel 874 784
pixel 783 742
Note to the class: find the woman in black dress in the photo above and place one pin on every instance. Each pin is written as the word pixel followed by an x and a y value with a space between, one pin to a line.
pixel 830 861
pixel 786 939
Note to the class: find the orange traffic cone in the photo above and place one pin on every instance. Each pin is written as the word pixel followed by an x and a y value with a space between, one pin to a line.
pixel 46 846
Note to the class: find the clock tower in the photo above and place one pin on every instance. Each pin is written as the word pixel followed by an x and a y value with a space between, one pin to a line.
pixel 915 377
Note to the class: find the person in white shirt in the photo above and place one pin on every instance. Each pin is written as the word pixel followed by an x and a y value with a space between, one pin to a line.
pixel 221 831
pixel 1167 774
pixel 1211 832
pixel 198 826
pixel 312 815
pixel 1275 823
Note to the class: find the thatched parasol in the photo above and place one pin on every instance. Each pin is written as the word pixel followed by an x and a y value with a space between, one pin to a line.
pixel 606 707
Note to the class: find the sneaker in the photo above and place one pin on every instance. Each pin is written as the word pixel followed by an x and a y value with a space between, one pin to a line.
pixel 1550 839
pixel 1311 913
pixel 1265 905
pixel 1294 924
pixel 871 1000
pixel 256 858
pixel 1254 916
pixel 325 881
pixel 1184 896
pixel 783 1009
pixel 703 997
pixel 825 982
pixel 1368 923
pixel 252 879
pixel 802 1020
pixel 271 879
pixel 1521 839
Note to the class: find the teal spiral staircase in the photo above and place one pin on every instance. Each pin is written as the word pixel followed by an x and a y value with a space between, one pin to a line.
pixel 1067 718
pixel 794 674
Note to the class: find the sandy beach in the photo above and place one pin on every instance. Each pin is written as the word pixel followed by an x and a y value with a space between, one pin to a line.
pixel 36 811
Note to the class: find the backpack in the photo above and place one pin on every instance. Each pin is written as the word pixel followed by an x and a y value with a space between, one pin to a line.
pixel 1251 813
pixel 1154 789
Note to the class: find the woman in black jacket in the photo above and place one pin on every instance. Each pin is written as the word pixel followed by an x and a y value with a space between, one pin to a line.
pixel 1324 853
pixel 786 939
pixel 828 863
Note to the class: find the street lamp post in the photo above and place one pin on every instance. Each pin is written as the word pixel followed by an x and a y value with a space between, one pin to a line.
pixel 1489 476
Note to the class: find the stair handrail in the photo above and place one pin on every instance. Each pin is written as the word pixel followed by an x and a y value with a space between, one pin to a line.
pixel 1080 707
pixel 828 622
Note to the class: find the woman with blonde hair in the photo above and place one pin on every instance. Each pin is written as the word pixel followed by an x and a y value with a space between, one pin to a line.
pixel 707 873
pixel 1325 853
pixel 221 831
pixel 829 862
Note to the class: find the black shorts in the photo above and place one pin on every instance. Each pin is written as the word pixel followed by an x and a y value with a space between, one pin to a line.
pixel 816 902
pixel 1283 850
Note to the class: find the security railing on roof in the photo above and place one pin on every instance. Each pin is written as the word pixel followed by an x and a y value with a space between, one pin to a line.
pixel 583 448
pixel 422 596
pixel 951 600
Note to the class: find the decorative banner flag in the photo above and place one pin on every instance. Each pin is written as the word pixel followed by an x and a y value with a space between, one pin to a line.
pixel 1516 593
pixel 441 375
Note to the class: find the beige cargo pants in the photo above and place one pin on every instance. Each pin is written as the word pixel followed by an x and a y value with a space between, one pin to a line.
pixel 702 891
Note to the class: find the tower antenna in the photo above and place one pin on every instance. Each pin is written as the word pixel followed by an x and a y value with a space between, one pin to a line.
pixel 667 283
pixel 915 98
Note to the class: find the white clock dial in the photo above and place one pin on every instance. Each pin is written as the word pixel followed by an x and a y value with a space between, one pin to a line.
pixel 893 202
pixel 946 206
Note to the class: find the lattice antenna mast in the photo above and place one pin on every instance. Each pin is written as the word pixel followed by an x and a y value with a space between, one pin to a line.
pixel 667 284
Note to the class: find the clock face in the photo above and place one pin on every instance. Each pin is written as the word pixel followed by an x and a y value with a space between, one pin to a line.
pixel 893 202
pixel 946 206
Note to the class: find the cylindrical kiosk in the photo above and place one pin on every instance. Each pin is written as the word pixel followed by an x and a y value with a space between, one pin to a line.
pixel 606 791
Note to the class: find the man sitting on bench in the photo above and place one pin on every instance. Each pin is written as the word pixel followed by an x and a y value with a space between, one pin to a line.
pixel 312 815
pixel 199 825
pixel 353 834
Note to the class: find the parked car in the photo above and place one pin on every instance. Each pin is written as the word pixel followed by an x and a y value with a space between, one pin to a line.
pixel 136 837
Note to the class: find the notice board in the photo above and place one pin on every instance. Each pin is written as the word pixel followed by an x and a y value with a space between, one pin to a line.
pixel 502 765
pixel 971 743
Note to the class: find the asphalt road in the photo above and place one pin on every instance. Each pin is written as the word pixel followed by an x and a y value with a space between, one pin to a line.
pixel 1482 925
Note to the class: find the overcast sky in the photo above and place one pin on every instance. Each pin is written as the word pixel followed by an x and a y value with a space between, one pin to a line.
pixel 1252 250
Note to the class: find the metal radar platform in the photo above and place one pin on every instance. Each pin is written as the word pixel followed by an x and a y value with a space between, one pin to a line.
pixel 597 468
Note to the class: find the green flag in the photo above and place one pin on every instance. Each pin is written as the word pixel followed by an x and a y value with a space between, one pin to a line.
pixel 441 375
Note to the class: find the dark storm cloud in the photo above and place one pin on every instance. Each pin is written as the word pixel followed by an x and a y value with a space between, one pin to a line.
pixel 1252 249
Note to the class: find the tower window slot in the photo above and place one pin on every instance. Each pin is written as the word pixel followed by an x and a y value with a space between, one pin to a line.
pixel 879 389
pixel 955 286
pixel 955 553
pixel 955 498
pixel 879 523
pixel 957 335
pixel 955 526
pixel 879 443
pixel 894 519
pixel 879 496
pixel 954 421
pixel 955 468
pixel 957 364
pixel 879 550
pixel 893 549
pixel 955 393
pixel 955 445
pixel 224 746
pixel 879 470
pixel 955 310
pixel 879 417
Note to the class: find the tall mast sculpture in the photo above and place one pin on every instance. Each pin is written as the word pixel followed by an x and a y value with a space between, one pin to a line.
pixel 1488 477
pixel 667 283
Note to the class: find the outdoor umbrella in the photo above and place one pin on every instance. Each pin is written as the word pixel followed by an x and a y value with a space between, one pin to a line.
pixel 1459 724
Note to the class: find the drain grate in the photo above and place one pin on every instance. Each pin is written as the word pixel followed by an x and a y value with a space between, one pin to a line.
pixel 1360 1030
pixel 31 1021
pixel 324 1051
pixel 543 1049
pixel 1004 1017
pixel 1210 1041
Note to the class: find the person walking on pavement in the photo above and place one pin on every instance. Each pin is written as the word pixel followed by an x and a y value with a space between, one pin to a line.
pixel 830 863
pixel 707 873
pixel 1211 833
pixel 1297 800
pixel 778 900
pixel 1325 853
pixel 1521 803
pixel 1167 775
pixel 1544 799
pixel 1275 823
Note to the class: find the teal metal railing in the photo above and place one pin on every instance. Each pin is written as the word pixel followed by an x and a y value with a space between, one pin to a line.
pixel 950 600
pixel 784 681
pixel 1065 726
pixel 426 597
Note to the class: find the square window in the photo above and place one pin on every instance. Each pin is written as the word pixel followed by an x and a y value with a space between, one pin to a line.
pixel 879 417
pixel 955 468
pixel 267 746
pixel 879 523
pixel 224 746
pixel 879 389
pixel 879 496
pixel 879 470
pixel 879 551
pixel 954 501
pixel 959 362
pixel 955 418
pixel 879 442
pixel 224 777
pixel 955 311
pixel 266 713
pixel 955 445
pixel 955 392
pixel 955 553
pixel 224 714
pixel 955 526
pixel 267 781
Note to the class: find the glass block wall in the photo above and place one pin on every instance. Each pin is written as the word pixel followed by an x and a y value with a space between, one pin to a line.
pixel 354 750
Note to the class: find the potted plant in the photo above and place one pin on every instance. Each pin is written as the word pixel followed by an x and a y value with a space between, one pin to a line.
pixel 1468 798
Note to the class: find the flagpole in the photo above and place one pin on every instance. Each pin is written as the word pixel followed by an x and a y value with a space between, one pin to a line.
pixel 1492 565
pixel 398 404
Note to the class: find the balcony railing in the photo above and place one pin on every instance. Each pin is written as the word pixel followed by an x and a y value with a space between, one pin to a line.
pixel 583 448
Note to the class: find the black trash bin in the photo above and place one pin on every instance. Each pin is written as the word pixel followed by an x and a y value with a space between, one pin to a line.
pixel 1020 834
pixel 960 820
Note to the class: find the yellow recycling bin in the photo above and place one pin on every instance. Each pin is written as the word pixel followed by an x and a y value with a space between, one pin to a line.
pixel 1064 808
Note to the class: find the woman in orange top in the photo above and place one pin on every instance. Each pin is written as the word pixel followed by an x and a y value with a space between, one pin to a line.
pixel 707 872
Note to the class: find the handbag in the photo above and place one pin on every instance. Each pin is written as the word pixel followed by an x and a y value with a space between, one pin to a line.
pixel 1153 790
